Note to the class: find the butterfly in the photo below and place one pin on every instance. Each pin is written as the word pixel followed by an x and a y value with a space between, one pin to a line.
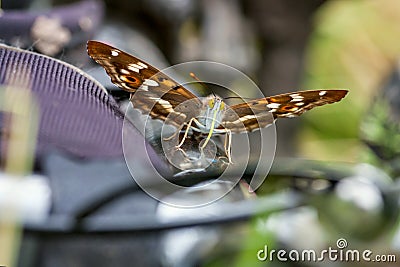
pixel 163 98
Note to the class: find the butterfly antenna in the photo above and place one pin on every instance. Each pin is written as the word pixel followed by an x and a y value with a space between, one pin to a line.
pixel 201 82
pixel 237 97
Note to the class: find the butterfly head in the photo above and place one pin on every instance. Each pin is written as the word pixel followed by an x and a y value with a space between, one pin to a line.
pixel 212 113
pixel 215 103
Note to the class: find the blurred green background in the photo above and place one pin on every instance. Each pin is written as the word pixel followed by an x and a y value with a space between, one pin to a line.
pixel 354 45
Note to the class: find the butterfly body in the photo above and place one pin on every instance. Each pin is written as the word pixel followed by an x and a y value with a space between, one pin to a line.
pixel 211 114
pixel 156 94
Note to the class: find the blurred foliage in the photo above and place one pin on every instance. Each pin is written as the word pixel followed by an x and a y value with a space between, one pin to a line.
pixel 383 138
pixel 258 236
pixel 354 46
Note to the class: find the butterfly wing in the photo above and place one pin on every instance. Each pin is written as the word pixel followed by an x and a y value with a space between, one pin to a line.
pixel 154 92
pixel 259 113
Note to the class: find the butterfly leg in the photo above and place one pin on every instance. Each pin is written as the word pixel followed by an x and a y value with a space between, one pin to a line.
pixel 228 145
pixel 178 131
pixel 185 136
pixel 178 147
pixel 174 134
pixel 186 132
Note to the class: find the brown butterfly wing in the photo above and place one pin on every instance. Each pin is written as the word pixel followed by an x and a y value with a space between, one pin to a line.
pixel 154 92
pixel 260 113
pixel 247 117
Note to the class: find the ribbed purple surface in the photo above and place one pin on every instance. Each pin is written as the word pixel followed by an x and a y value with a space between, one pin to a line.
pixel 76 115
